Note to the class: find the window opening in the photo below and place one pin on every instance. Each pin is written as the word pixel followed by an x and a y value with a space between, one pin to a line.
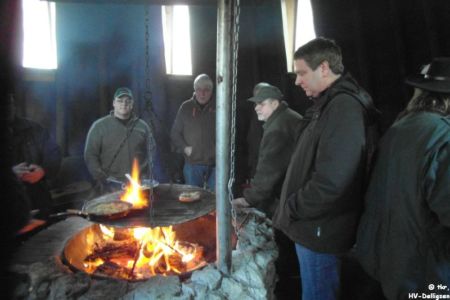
pixel 177 39
pixel 39 39
pixel 298 26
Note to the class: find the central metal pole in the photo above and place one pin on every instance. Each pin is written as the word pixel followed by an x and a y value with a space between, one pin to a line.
pixel 223 104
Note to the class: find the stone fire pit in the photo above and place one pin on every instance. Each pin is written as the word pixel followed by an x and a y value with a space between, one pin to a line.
pixel 42 275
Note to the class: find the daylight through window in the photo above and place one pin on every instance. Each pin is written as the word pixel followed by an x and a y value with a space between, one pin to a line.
pixel 177 39
pixel 39 41
pixel 304 27
pixel 298 27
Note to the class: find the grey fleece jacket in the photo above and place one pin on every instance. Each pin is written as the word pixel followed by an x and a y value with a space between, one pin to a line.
pixel 102 154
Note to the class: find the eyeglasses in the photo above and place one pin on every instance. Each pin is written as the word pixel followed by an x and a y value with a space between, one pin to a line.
pixel 124 100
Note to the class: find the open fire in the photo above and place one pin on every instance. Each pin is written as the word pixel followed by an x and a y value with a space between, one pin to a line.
pixel 139 253
pixel 135 193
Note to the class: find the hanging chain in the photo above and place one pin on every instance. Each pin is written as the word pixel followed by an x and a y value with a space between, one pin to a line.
pixel 151 144
pixel 235 41
pixel 148 94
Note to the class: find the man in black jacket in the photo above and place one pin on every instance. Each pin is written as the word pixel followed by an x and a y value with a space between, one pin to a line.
pixel 282 126
pixel 321 197
pixel 403 238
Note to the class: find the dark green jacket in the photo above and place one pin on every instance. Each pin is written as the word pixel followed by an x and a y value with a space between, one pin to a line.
pixel 281 131
pixel 321 198
pixel 404 235
pixel 103 143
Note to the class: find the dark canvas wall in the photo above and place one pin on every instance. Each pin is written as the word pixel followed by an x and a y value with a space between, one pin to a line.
pixel 102 47
pixel 385 41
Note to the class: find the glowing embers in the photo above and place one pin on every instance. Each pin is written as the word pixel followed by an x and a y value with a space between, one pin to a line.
pixel 135 193
pixel 133 253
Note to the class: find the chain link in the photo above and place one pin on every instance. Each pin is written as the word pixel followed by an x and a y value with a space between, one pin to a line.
pixel 235 35
pixel 151 144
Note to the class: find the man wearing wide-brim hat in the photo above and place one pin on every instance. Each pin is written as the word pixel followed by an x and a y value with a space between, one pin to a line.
pixel 404 235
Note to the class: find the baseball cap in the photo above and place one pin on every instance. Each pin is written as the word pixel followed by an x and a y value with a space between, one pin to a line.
pixel 123 91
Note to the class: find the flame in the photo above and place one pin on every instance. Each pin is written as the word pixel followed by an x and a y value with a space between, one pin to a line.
pixel 107 231
pixel 133 191
pixel 157 251
pixel 159 245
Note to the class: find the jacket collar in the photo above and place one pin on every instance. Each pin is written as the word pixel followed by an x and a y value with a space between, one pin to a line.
pixel 132 118
pixel 282 107
pixel 345 82
pixel 211 103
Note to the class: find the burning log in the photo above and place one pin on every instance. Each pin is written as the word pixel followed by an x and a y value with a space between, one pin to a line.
pixel 141 252
pixel 110 268
pixel 112 251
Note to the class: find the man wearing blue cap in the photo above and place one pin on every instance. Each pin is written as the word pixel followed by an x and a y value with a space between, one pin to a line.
pixel 115 140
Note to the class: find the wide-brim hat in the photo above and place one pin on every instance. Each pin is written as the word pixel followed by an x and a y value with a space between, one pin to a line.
pixel 436 78
pixel 265 91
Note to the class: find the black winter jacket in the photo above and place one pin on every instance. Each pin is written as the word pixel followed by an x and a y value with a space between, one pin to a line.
pixel 281 132
pixel 404 235
pixel 321 198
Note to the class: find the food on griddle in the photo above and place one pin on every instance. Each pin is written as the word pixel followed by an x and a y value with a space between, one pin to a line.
pixel 110 208
pixel 189 196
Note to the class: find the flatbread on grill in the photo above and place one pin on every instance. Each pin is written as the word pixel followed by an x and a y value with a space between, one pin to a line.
pixel 110 208
pixel 189 196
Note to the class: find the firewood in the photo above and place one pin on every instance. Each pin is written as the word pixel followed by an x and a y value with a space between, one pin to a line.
pixel 111 251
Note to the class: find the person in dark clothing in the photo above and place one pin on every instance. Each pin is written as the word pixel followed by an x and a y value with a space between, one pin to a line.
pixel 193 134
pixel 282 126
pixel 16 204
pixel 16 208
pixel 253 138
pixel 321 197
pixel 403 238
pixel 281 129
pixel 36 158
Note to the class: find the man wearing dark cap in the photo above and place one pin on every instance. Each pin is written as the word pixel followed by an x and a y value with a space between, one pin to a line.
pixel 282 126
pixel 403 238
pixel 114 141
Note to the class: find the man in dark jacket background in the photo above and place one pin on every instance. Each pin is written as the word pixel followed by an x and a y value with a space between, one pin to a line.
pixel 282 126
pixel 321 197
pixel 403 238
pixel 35 158
pixel 193 134
pixel 281 129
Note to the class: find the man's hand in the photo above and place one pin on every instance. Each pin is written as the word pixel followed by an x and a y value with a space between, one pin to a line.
pixel 240 202
pixel 33 175
pixel 188 151
pixel 20 169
